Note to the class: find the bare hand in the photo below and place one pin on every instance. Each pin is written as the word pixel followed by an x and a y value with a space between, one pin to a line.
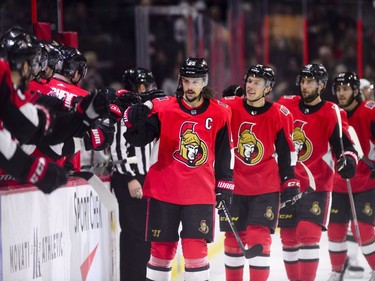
pixel 135 189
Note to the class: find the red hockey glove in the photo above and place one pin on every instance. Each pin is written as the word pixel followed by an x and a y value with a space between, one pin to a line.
pixel 290 188
pixel 224 192
pixel 99 138
pixel 346 166
pixel 46 176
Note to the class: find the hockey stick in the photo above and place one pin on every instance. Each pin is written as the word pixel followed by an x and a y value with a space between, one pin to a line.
pixel 348 184
pixel 105 195
pixel 297 197
pixel 248 253
pixel 129 160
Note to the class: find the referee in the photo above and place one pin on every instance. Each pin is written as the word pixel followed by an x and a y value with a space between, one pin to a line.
pixel 126 181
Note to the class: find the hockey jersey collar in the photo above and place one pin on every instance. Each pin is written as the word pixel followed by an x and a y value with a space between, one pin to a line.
pixel 307 109
pixel 194 111
pixel 256 110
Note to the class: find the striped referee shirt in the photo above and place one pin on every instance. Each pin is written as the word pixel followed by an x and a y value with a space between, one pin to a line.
pixel 121 149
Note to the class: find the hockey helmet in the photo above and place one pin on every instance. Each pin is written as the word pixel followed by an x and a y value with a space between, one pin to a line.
pixel 315 71
pixel 261 71
pixel 73 61
pixel 133 77
pixel 194 68
pixel 18 46
pixel 346 78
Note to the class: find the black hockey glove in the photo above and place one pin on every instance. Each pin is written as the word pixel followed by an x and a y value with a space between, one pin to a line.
pixel 233 90
pixel 150 95
pixel 347 165
pixel 126 98
pixel 290 188
pixel 136 114
pixel 93 106
pixel 99 138
pixel 224 193
pixel 46 176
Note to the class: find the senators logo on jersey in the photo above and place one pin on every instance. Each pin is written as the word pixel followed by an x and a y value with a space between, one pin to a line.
pixel 302 144
pixel 249 149
pixel 193 150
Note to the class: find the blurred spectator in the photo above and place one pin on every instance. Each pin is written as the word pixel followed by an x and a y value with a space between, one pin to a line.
pixel 367 89
pixel 92 80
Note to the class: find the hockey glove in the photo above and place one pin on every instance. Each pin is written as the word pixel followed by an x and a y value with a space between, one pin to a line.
pixel 126 98
pixel 46 176
pixel 224 193
pixel 99 138
pixel 347 165
pixel 150 95
pixel 290 188
pixel 233 90
pixel 93 106
pixel 136 114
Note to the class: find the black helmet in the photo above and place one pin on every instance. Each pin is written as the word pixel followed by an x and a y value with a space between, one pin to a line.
pixel 261 71
pixel 315 71
pixel 194 68
pixel 55 59
pixel 72 60
pixel 18 46
pixel 346 78
pixel 133 77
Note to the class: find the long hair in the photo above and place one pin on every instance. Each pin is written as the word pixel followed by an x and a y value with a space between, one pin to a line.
pixel 206 93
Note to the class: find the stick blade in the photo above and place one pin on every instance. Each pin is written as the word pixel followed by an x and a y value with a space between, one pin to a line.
pixel 254 251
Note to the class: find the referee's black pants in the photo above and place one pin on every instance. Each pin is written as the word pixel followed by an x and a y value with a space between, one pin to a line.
pixel 134 250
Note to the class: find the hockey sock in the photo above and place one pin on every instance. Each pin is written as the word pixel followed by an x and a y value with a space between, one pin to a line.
pixel 159 266
pixel 233 257
pixel 196 261
pixel 309 235
pixel 259 265
pixel 337 245
pixel 290 244
pixel 368 242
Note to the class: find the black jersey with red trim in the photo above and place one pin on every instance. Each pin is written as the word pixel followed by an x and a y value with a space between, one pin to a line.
pixel 191 152
pixel 362 119
pixel 263 147
pixel 316 137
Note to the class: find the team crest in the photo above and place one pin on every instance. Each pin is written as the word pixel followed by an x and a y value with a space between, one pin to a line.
pixel 204 227
pixel 315 209
pixel 302 144
pixel 193 150
pixel 249 149
pixel 269 213
pixel 367 210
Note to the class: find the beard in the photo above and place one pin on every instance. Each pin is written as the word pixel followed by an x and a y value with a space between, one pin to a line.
pixel 310 97
pixel 192 99
pixel 344 104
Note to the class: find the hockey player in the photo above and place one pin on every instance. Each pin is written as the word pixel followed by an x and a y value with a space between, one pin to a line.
pixel 190 167
pixel 64 85
pixel 127 180
pixel 28 123
pixel 316 137
pixel 361 116
pixel 263 146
